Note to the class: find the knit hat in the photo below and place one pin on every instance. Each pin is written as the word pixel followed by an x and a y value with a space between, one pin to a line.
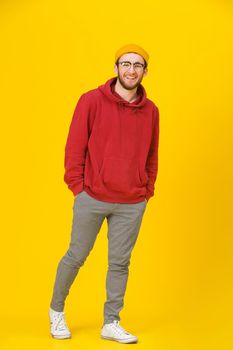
pixel 132 48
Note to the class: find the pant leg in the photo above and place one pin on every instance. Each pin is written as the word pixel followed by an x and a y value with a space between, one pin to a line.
pixel 123 228
pixel 88 216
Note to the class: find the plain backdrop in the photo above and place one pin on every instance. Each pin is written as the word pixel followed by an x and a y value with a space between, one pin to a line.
pixel 179 293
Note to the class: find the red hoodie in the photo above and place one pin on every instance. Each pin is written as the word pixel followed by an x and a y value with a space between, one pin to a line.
pixel 112 146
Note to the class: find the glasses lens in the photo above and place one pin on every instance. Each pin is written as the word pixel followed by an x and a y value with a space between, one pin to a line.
pixel 127 65
pixel 138 66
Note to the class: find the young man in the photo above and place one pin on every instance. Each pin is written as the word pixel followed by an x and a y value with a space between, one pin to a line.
pixel 111 163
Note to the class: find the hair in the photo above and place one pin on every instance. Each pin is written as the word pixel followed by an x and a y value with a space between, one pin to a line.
pixel 143 60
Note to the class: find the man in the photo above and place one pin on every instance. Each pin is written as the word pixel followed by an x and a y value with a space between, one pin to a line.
pixel 111 163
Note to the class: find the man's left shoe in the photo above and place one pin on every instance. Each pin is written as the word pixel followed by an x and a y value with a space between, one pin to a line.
pixel 113 331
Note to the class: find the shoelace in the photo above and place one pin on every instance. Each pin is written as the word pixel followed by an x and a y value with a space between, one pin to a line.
pixel 116 326
pixel 59 322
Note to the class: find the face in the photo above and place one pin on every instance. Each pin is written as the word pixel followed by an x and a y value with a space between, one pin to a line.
pixel 130 78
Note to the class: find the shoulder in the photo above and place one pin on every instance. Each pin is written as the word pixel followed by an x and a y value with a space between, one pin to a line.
pixel 154 108
pixel 91 95
pixel 152 105
pixel 88 102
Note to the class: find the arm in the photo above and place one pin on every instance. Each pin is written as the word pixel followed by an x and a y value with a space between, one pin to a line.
pixel 152 159
pixel 76 146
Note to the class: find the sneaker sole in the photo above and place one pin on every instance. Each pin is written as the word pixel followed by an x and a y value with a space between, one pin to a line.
pixel 124 341
pixel 60 336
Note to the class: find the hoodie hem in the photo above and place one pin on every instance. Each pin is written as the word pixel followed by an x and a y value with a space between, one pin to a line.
pixel 102 197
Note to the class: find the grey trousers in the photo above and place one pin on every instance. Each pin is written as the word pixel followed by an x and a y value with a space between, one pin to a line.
pixel 124 222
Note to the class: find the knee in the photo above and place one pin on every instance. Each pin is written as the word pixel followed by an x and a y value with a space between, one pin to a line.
pixel 73 260
pixel 120 266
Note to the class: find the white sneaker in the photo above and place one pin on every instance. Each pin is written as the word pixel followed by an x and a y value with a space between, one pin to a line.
pixel 113 331
pixel 58 326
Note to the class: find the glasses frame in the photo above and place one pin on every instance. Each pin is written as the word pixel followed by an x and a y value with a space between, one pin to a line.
pixel 139 68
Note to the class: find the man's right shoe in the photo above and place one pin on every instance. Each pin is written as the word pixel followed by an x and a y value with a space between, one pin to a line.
pixel 58 326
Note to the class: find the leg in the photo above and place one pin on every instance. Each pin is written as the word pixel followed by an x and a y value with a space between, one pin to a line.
pixel 88 216
pixel 124 224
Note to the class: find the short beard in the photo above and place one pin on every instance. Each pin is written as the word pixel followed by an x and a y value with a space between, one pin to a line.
pixel 129 87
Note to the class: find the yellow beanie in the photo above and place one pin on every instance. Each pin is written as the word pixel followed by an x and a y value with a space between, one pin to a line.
pixel 132 48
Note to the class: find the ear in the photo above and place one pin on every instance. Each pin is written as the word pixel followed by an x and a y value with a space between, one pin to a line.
pixel 115 69
pixel 145 71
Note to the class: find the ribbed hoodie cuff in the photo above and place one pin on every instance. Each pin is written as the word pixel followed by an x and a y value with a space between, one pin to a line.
pixel 76 189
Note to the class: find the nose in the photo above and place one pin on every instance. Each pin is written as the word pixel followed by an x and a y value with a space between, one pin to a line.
pixel 132 69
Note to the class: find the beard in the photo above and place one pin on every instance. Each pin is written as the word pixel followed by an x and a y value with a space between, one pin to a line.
pixel 129 87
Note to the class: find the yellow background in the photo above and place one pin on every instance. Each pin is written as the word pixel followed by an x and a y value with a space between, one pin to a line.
pixel 179 293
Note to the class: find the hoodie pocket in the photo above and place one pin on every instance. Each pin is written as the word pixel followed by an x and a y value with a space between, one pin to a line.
pixel 119 174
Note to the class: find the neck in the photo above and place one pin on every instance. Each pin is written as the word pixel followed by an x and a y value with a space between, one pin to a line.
pixel 128 95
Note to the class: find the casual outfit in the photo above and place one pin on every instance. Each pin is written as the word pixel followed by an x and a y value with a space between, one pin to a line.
pixel 112 146
pixel 111 162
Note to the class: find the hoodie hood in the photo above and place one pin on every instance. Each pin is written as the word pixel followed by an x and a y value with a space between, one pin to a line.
pixel 108 90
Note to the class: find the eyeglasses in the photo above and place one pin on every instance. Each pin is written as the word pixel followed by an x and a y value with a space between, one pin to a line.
pixel 127 65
